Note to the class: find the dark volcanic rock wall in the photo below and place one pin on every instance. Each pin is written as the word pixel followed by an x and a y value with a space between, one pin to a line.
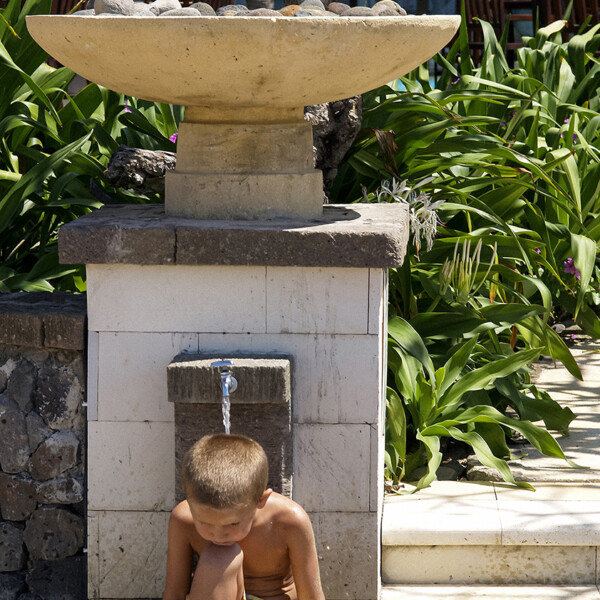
pixel 42 446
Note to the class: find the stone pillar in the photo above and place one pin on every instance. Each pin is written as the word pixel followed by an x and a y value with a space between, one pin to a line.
pixel 315 291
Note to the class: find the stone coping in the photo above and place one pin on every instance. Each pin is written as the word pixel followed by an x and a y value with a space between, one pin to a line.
pixel 490 592
pixel 357 235
pixel 465 513
pixel 43 320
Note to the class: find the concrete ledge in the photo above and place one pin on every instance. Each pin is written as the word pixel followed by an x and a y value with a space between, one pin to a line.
pixel 357 235
pixel 264 380
pixel 489 592
pixel 493 516
pixel 43 320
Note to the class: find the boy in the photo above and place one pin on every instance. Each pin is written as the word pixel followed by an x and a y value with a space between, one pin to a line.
pixel 251 541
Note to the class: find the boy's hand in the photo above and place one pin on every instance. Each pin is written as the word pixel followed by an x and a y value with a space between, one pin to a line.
pixel 303 556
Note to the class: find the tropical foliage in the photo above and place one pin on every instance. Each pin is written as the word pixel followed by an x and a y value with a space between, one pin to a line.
pixel 53 151
pixel 507 160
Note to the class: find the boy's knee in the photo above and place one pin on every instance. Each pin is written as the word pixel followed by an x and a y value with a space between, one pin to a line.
pixel 221 557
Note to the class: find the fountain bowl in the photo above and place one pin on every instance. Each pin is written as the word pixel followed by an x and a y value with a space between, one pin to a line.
pixel 244 150
pixel 241 62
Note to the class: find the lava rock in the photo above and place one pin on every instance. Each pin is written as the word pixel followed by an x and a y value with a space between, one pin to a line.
pixel 3 381
pixel 14 448
pixel 11 585
pixel 204 9
pixel 232 8
pixel 53 534
pixel 359 11
pixel 59 395
pixel 59 580
pixel 161 6
pixel 18 497
pixel 62 490
pixel 12 551
pixel 21 385
pixel 264 12
pixel 118 7
pixel 339 8
pixel 186 11
pixel 37 430
pixel 54 456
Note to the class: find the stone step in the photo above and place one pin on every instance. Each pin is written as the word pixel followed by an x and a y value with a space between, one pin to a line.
pixel 490 534
pixel 503 592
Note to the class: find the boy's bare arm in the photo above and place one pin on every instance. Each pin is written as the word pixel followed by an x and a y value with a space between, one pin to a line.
pixel 179 558
pixel 303 557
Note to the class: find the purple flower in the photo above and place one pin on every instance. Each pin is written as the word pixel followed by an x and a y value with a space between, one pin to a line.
pixel 538 250
pixel 173 138
pixel 575 138
pixel 127 109
pixel 566 120
pixel 571 268
pixel 455 80
pixel 502 124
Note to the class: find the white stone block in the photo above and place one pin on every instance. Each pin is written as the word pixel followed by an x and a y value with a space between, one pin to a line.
pixel 377 464
pixel 92 377
pixel 349 551
pixel 412 521
pixel 481 592
pixel 489 565
pixel 317 300
pixel 133 554
pixel 164 298
pixel 332 467
pixel 558 523
pixel 133 374
pixel 93 554
pixel 378 300
pixel 335 379
pixel 131 466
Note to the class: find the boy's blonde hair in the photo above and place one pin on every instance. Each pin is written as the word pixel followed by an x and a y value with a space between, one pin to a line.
pixel 225 471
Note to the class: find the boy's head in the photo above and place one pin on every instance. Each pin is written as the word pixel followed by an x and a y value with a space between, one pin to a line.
pixel 225 471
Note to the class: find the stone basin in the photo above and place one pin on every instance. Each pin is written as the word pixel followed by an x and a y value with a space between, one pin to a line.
pixel 243 151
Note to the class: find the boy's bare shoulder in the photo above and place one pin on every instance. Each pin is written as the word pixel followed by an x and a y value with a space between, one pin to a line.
pixel 287 513
pixel 182 515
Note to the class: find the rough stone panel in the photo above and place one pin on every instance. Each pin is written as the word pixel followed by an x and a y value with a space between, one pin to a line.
pixel 53 534
pixel 268 424
pixel 21 385
pixel 36 319
pixel 59 580
pixel 17 497
pixel 65 331
pixel 37 430
pixel 3 381
pixel 110 239
pixel 12 552
pixel 54 456
pixel 14 448
pixel 20 329
pixel 261 380
pixel 11 585
pixel 59 395
pixel 357 235
pixel 62 490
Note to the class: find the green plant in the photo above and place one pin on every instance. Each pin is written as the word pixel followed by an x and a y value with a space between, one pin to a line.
pixel 54 149
pixel 447 402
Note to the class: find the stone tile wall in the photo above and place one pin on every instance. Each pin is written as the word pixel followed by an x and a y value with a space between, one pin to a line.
pixel 42 446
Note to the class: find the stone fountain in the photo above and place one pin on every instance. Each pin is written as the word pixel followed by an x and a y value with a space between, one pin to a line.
pixel 242 261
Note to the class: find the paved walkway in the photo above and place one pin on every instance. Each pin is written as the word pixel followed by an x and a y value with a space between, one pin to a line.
pixel 582 446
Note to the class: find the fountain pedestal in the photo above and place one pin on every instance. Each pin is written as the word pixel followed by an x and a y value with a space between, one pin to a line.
pixel 313 290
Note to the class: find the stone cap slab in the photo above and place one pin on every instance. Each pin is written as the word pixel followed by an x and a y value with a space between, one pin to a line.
pixel 262 379
pixel 355 235
pixel 43 320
